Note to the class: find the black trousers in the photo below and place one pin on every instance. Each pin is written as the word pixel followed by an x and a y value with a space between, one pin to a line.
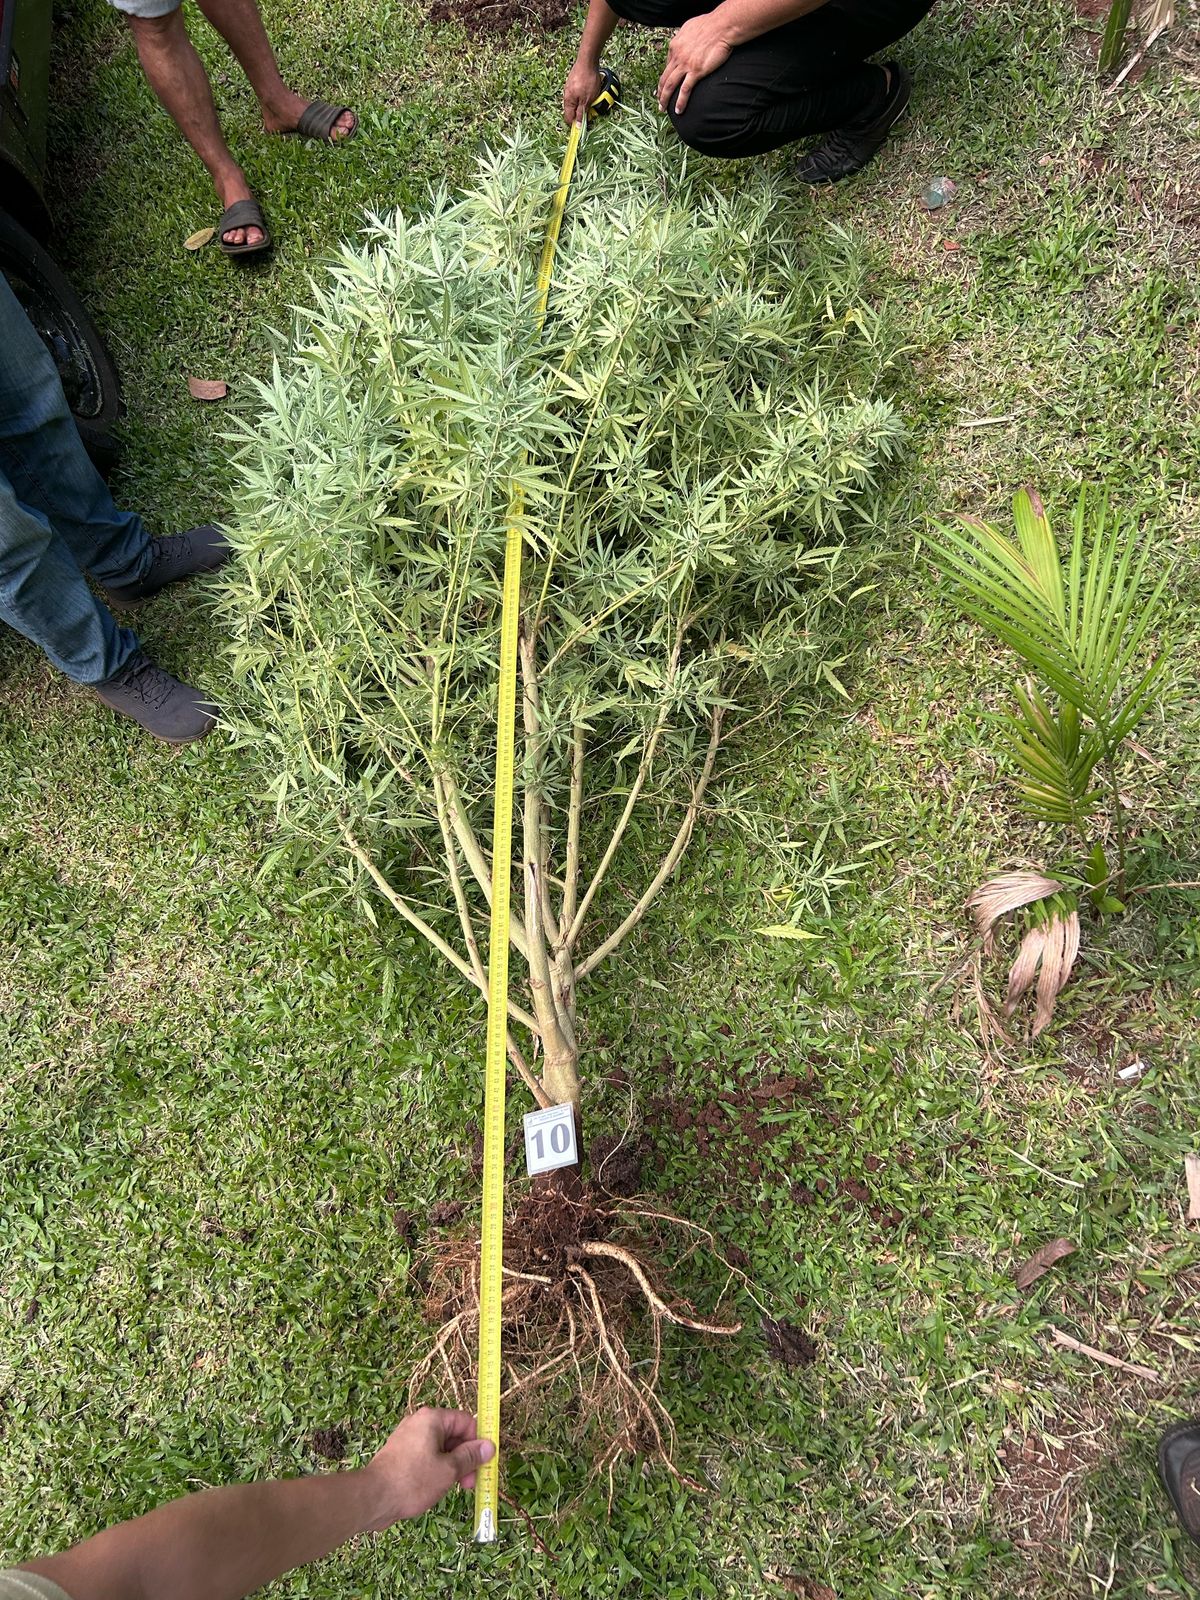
pixel 809 76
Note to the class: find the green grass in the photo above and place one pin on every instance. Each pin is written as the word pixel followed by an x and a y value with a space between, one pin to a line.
pixel 220 1082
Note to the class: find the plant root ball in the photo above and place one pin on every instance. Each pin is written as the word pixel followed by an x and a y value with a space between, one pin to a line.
pixel 582 1288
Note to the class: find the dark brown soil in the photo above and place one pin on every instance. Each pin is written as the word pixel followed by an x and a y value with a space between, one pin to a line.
pixel 788 1344
pixel 328 1443
pixel 804 1588
pixel 1035 1500
pixel 214 1228
pixel 446 1213
pixel 749 1135
pixel 617 1164
pixel 501 16
pixel 405 1224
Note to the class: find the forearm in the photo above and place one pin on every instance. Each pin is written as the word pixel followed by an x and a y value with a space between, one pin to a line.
pixel 221 1544
pixel 742 20
pixel 599 28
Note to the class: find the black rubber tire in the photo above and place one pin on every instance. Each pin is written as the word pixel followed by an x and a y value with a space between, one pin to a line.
pixel 89 376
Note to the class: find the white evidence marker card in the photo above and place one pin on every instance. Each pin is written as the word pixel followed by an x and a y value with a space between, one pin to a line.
pixel 550 1139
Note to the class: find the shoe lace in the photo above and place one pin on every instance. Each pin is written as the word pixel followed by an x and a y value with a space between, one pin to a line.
pixel 178 548
pixel 149 683
pixel 834 151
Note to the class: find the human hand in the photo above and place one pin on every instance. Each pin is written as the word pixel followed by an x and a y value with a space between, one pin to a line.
pixel 425 1457
pixel 582 86
pixel 697 49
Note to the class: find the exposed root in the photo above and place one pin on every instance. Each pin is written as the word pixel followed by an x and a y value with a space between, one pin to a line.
pixel 533 1533
pixel 710 1238
pixel 580 1289
pixel 657 1304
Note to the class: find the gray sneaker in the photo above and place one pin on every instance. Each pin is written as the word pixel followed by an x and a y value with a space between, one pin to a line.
pixel 201 549
pixel 172 710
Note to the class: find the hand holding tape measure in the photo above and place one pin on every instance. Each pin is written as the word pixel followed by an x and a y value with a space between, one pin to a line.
pixel 491 1265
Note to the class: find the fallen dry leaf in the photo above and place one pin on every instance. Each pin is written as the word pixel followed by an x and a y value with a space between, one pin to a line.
pixel 207 388
pixel 1041 1261
pixel 805 1588
pixel 1049 952
pixel 198 240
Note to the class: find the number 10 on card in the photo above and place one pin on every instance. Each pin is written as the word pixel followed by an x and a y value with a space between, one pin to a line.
pixel 550 1139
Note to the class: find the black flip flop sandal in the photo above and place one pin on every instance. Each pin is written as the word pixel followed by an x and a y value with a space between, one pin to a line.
pixel 317 120
pixel 243 214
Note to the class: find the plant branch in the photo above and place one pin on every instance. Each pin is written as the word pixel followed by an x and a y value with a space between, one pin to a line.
pixel 456 885
pixel 643 772
pixel 558 1031
pixel 535 801
pixel 556 1026
pixel 670 861
pixel 574 822
pixel 527 1077
pixel 475 858
pixel 400 904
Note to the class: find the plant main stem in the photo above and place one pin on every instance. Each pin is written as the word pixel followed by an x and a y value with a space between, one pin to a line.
pixel 1118 822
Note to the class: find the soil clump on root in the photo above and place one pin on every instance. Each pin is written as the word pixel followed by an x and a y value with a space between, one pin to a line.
pixel 582 1285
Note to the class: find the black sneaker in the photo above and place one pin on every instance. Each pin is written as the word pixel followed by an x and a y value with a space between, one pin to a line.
pixel 847 150
pixel 174 711
pixel 1179 1466
pixel 201 549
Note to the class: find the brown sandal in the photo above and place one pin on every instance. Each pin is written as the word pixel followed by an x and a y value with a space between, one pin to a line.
pixel 243 214
pixel 317 120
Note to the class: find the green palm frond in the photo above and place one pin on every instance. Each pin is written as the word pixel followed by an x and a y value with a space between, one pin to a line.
pixel 1054 756
pixel 1079 630
pixel 1112 42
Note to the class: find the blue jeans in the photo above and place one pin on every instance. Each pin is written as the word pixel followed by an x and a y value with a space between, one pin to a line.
pixel 57 518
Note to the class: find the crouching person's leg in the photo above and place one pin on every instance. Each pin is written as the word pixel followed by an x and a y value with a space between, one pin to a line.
pixel 748 106
pixel 807 77
pixel 764 96
pixel 45 596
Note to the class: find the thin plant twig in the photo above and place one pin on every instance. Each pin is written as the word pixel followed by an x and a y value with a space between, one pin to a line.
pixel 1081 1349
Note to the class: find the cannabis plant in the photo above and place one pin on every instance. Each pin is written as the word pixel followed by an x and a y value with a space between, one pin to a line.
pixel 1084 628
pixel 696 435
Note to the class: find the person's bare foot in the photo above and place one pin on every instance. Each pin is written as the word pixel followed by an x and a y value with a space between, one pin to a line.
pixel 230 190
pixel 285 117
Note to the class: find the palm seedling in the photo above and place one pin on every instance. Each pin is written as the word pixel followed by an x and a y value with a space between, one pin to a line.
pixel 1083 629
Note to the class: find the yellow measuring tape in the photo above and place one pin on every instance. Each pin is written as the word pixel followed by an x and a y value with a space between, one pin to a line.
pixel 491 1265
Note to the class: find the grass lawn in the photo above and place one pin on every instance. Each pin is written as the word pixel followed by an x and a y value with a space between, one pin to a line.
pixel 221 1084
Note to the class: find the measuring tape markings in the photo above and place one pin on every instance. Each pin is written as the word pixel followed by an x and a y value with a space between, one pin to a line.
pixel 491 1263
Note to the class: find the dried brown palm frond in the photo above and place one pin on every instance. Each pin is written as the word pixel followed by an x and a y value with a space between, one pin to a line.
pixel 1050 943
pixel 1004 894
